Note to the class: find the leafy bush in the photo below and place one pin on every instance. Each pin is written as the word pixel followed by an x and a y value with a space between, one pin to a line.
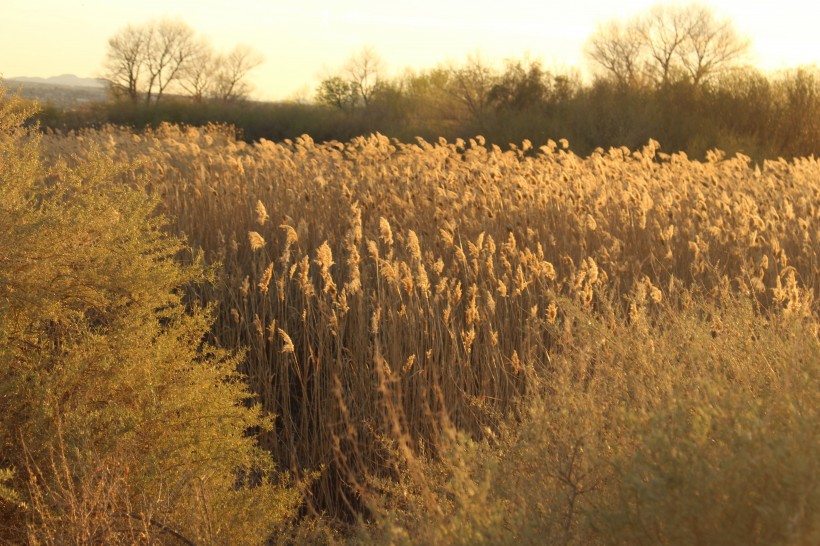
pixel 674 435
pixel 118 423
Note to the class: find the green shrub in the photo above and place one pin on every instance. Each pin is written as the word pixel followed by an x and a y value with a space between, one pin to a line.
pixel 692 425
pixel 118 424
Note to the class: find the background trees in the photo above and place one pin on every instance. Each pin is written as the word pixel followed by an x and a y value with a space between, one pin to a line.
pixel 666 45
pixel 230 73
pixel 670 73
pixel 365 72
pixel 148 60
pixel 197 75
pixel 356 84
pixel 616 49
pixel 124 61
pixel 168 47
pixel 336 92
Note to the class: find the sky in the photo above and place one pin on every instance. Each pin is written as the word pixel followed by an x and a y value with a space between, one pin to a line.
pixel 304 40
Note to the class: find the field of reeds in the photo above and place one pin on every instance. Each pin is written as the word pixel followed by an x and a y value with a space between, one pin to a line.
pixel 464 344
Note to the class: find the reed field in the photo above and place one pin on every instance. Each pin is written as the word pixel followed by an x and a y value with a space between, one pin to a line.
pixel 461 344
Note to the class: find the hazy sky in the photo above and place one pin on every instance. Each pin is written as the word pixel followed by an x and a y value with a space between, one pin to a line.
pixel 303 39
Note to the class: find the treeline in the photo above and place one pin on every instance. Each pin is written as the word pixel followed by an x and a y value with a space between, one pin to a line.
pixel 144 62
pixel 762 116
pixel 676 74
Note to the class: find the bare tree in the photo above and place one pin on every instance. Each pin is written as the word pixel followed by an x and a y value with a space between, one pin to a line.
pixel 365 72
pixel 124 61
pixel 147 59
pixel 669 43
pixel 198 76
pixel 472 85
pixel 618 49
pixel 664 32
pixel 169 47
pixel 356 84
pixel 711 46
pixel 230 82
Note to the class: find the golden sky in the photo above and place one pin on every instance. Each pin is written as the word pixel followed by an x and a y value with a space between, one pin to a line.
pixel 304 39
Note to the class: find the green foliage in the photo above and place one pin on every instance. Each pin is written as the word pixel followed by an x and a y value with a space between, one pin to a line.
pixel 120 422
pixel 681 426
pixel 8 495
pixel 521 86
pixel 636 398
pixel 726 458
pixel 762 116
pixel 337 92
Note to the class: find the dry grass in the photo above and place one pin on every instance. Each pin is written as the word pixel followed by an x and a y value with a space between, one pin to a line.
pixel 388 293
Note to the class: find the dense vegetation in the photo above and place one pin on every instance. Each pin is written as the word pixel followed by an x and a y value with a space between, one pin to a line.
pixel 450 343
pixel 118 424
pixel 224 331
pixel 762 116
pixel 676 73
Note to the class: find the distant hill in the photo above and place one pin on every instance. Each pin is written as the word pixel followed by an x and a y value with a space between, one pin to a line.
pixel 66 80
pixel 67 91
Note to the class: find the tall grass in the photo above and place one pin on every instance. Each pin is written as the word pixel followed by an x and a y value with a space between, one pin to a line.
pixel 566 313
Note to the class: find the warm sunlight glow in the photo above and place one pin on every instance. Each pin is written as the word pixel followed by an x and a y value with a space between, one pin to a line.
pixel 409 271
pixel 301 41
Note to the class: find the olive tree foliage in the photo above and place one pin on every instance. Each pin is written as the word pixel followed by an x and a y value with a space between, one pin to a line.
pixel 668 44
pixel 146 61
